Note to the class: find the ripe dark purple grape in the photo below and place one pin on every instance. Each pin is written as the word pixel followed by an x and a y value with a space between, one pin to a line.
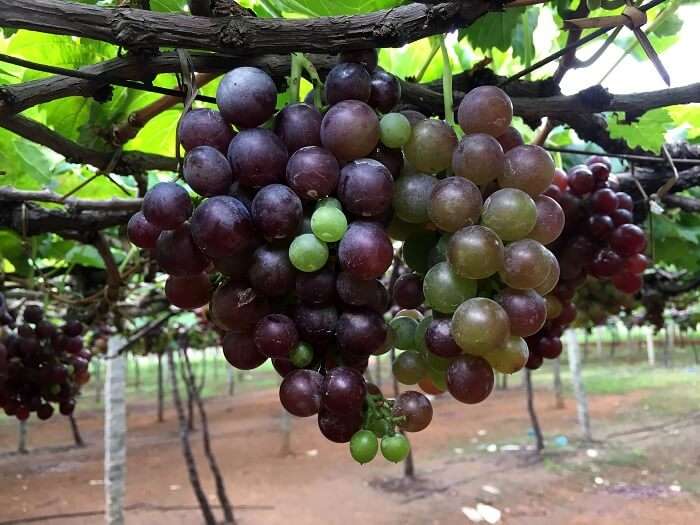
pixel 470 379
pixel 178 254
pixel 275 336
pixel 604 201
pixel 277 212
pixel 347 81
pixel 621 216
pixel 366 57
pixel 628 240
pixel 167 205
pixel 239 350
pixel 391 158
pixel 549 347
pixel 344 390
pixel 361 332
pixel 141 232
pixel 300 392
pixel 299 126
pixel 415 408
pixel 439 340
pixel 534 360
pixel 526 310
pixel 628 283
pixel 355 291
pixel 236 306
pixel 365 251
pixel 600 170
pixel 258 157
pixel 221 226
pixel 316 288
pixel 188 292
pixel 234 266
pixel 600 226
pixel 207 171
pixel 44 412
pixel 316 324
pixel 365 187
pixel 246 97
pixel 581 180
pixel 350 130
pixel 313 172
pixel 338 428
pixel 408 291
pixel 624 201
pixel 270 271
pixel 385 91
pixel 205 127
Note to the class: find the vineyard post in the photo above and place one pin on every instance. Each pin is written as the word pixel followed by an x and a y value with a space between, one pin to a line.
pixel 651 354
pixel 579 390
pixel 115 432
pixel 599 341
pixel 22 437
pixel 558 387
pixel 161 417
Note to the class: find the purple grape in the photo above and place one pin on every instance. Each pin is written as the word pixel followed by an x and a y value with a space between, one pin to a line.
pixel 316 324
pixel 350 130
pixel 167 205
pixel 258 157
pixel 386 91
pixel 277 212
pixel 300 392
pixel 365 187
pixel 240 352
pixel 188 292
pixel 316 288
pixel 338 428
pixel 391 158
pixel 344 390
pixel 222 226
pixel 236 306
pixel 270 272
pixel 177 253
pixel 141 232
pixel 439 340
pixel 313 172
pixel 366 57
pixel 207 171
pixel 246 97
pixel 361 332
pixel 347 81
pixel 299 126
pixel 205 127
pixel 365 250
pixel 275 336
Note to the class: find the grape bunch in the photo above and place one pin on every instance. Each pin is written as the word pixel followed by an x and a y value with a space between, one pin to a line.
pixel 298 213
pixel 599 242
pixel 41 364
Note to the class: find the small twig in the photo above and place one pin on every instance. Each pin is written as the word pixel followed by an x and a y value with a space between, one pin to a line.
pixel 12 194
pixel 645 158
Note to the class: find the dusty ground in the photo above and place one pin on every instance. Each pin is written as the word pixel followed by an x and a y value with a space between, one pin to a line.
pixel 644 472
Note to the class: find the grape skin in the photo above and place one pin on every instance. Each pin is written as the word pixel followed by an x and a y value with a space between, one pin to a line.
pixel 207 171
pixel 350 130
pixel 313 172
pixel 365 187
pixel 258 157
pixel 246 97
pixel 299 126
pixel 166 205
pixel 222 226
pixel 485 109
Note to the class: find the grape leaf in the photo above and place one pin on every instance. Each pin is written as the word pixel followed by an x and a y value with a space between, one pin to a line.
pixel 494 30
pixel 687 117
pixel 647 133
pixel 12 250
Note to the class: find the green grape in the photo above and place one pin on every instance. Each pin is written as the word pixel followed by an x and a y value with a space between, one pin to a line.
pixel 307 253
pixel 329 223
pixel 436 362
pixel 301 355
pixel 408 368
pixel 404 329
pixel 395 448
pixel 475 252
pixel 480 326
pixel 443 243
pixel 431 145
pixel 329 201
pixel 416 251
pixel 421 329
pixel 394 130
pixel 444 290
pixel 363 446
pixel 511 357
pixel 401 230
pixel 509 212
pixel 525 264
pixel 412 196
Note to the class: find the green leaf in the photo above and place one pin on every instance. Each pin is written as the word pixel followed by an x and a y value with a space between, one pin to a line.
pixel 523 44
pixel 676 239
pixel 494 30
pixel 85 255
pixel 12 250
pixel 647 133
pixel 670 26
pixel 688 118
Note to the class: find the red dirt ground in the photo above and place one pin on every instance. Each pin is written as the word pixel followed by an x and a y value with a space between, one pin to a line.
pixel 320 484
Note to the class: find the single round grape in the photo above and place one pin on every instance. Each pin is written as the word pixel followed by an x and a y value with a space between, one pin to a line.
pixel 528 168
pixel 365 187
pixel 300 392
pixel 301 355
pixel 636 264
pixel 188 292
pixel 412 197
pixel 316 324
pixel 628 283
pixel 307 253
pixel 386 91
pixel 581 180
pixel 366 57
pixel 622 216
pixel 430 147
pixel 415 408
pixel 560 179
pixel 408 368
pixel 600 226
pixel 246 97
pixel 408 291
pixel 550 220
pixel 276 335
pixel 177 253
pixel 394 130
pixel 417 248
pixel 606 264
pixel 525 264
pixel 207 171
pixel 364 446
pixel 404 329
pixel 554 306
pixel 270 272
pixel 347 81
pixel 258 157
pixel 222 226
pixel 355 291
pixel 549 347
pixel 141 232
pixel 240 352
pixel 234 266
pixel 470 379
pixel 205 127
pixel 485 109
pixel 480 325
pixel 510 213
pixel 339 428
pixel 439 340
pixel 604 201
pixel 568 314
pixel 236 306
pixel 44 412
pixel 628 240
pixel 395 448
pixel 526 310
pixel 510 139
pixel 624 201
pixel 475 252
pixel 344 390
pixel 511 357
pixel 277 212
pixel 167 205
pixel 391 158
pixel 365 250
pixel 444 290
pixel 360 332
pixel 414 117
pixel 299 126
pixel 454 203
pixel 316 288
pixel 350 130
pixel 313 172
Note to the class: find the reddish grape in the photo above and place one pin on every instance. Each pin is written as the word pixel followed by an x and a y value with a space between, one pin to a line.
pixel 299 126
pixel 510 139
pixel 550 220
pixel 526 310
pixel 313 172
pixel 600 226
pixel 604 201
pixel 628 240
pixel 628 283
pixel 606 264
pixel 258 157
pixel 365 251
pixel 581 180
pixel 549 347
pixel 621 216
pixel 624 201
pixel 141 232
pixel 485 109
pixel 560 179
pixel 415 408
pixel 470 379
pixel 240 352
pixel 275 335
pixel 300 392
pixel 636 264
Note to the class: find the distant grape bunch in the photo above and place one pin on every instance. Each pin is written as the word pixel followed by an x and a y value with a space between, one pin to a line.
pixel 599 243
pixel 302 211
pixel 41 365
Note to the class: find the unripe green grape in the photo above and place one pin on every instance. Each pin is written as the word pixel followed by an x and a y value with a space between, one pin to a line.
pixel 307 253
pixel 475 252
pixel 509 212
pixel 301 355
pixel 511 357
pixel 363 446
pixel 480 325
pixel 444 290
pixel 329 201
pixel 525 264
pixel 416 251
pixel 421 329
pixel 329 223
pixel 431 145
pixel 409 368
pixel 404 329
pixel 395 448
pixel 394 130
